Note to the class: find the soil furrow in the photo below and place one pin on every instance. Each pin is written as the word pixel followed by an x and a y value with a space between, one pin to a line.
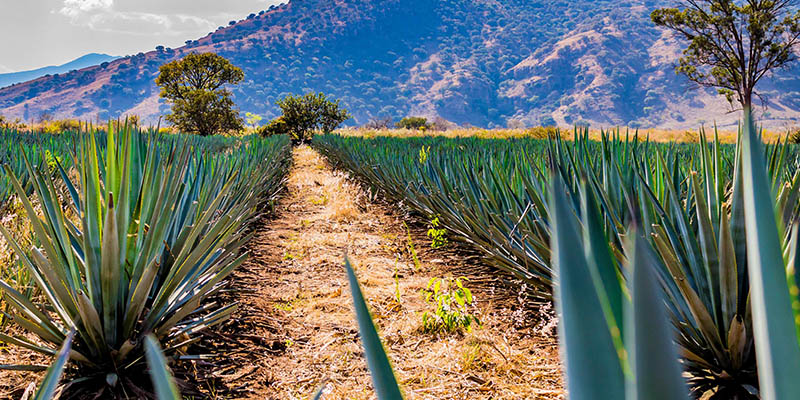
pixel 295 330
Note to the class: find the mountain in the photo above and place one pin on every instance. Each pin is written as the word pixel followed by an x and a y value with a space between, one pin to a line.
pixel 478 62
pixel 82 62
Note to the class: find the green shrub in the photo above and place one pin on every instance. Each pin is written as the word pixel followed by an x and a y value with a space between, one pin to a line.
pixel 415 123
pixel 277 126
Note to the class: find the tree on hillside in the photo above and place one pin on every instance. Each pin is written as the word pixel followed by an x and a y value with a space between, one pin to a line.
pixel 304 115
pixel 195 85
pixel 733 44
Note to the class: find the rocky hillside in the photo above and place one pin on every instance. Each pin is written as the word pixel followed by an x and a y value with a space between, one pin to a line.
pixel 478 62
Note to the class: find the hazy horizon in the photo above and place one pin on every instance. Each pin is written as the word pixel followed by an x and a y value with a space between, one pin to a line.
pixel 55 32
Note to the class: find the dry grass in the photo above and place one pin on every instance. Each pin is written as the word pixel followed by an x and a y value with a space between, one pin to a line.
pixel 15 221
pixel 14 383
pixel 658 135
pixel 306 299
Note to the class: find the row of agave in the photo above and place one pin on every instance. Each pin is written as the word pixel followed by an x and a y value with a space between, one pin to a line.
pixel 690 228
pixel 54 149
pixel 492 194
pixel 131 247
pixel 55 152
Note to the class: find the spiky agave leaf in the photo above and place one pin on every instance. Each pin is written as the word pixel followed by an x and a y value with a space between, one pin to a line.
pixel 654 359
pixel 593 364
pixel 386 387
pixel 163 381
pixel 49 385
pixel 774 327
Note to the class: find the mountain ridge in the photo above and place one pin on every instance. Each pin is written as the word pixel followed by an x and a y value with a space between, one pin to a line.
pixel 11 78
pixel 478 62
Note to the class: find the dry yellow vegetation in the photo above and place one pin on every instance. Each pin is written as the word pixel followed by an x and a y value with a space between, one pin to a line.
pixel 657 135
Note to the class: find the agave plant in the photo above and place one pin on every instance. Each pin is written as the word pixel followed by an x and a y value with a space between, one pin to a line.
pixel 163 381
pixel 696 222
pixel 630 353
pixel 149 232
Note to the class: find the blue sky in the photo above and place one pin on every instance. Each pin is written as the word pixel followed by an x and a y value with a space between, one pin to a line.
pixel 37 33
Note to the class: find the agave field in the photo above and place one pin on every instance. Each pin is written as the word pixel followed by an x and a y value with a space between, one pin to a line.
pixel 133 232
pixel 673 267
pixel 626 236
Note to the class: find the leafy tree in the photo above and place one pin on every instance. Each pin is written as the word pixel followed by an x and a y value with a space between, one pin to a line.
pixel 415 123
pixel 253 119
pixel 733 44
pixel 195 86
pixel 304 115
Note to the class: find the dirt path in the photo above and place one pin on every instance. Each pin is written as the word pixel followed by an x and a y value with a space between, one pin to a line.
pixel 295 328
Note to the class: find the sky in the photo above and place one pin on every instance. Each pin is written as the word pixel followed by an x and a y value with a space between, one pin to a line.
pixel 38 33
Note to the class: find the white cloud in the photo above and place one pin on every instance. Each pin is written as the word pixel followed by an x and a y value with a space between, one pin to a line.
pixel 74 8
pixel 104 16
pixel 147 24
pixel 5 70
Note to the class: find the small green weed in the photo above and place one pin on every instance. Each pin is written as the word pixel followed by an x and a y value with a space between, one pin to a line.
pixel 320 201
pixel 289 305
pixel 293 250
pixel 51 160
pixel 450 300
pixel 412 249
pixel 437 234
pixel 397 295
pixel 424 152
pixel 472 357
